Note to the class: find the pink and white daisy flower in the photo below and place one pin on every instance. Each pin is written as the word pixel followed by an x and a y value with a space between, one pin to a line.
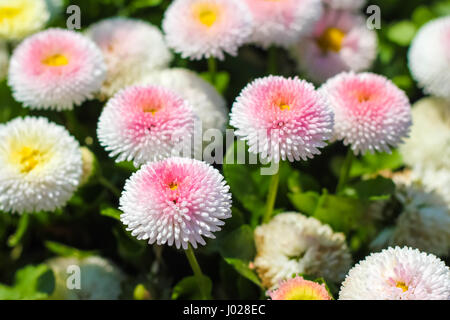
pixel 175 202
pixel 207 28
pixel 371 113
pixel 282 118
pixel 429 57
pixel 340 42
pixel 281 23
pixel 145 123
pixel 298 288
pixel 56 69
pixel 398 274
pixel 132 48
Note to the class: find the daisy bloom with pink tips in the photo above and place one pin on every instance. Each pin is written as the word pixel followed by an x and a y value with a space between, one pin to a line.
pixel 298 288
pixel 177 201
pixel 340 42
pixel 345 4
pixel 200 29
pixel 56 69
pixel 371 113
pixel 282 118
pixel 145 123
pixel 397 274
pixel 282 22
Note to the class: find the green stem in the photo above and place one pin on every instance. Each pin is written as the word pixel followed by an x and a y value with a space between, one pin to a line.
pixel 21 230
pixel 271 196
pixel 345 170
pixel 108 185
pixel 212 69
pixel 272 67
pixel 197 271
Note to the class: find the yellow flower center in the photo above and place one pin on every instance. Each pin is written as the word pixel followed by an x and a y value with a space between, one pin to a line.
pixel 173 186
pixel 9 12
pixel 302 293
pixel 56 60
pixel 206 13
pixel 28 159
pixel 402 285
pixel 284 106
pixel 150 109
pixel 331 40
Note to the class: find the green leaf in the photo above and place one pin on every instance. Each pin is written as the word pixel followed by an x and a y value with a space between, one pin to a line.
pixel 111 212
pixel 305 203
pixel 188 288
pixel 31 283
pixel 239 244
pixel 301 182
pixel 242 268
pixel 402 32
pixel 341 213
pixel 373 163
pixel 67 251
pixel 373 189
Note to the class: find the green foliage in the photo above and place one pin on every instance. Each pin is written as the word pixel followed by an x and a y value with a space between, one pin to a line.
pixel 188 288
pixel 31 283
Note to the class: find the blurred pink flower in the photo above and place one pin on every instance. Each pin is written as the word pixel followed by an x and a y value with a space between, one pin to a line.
pixel 300 289
pixel 56 69
pixel 371 113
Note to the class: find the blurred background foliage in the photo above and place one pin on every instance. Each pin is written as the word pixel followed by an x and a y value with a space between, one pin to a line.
pixel 89 224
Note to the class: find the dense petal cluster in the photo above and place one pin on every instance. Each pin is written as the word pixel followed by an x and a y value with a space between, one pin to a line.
pixel 100 279
pixel 371 113
pixel 282 118
pixel 145 123
pixel 397 274
pixel 20 18
pixel 428 146
pixel 132 48
pixel 207 28
pixel 209 106
pixel 281 23
pixel 294 244
pixel 40 165
pixel 56 69
pixel 298 288
pixel 177 201
pixel 429 57
pixel 339 42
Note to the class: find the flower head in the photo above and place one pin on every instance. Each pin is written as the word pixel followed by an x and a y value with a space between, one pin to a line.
pixel 132 48
pixel 294 244
pixel 175 201
pixel 281 23
pixel 282 118
pixel 207 28
pixel 40 165
pixel 100 279
pixel 56 69
pixel 20 18
pixel 209 106
pixel 339 42
pixel 300 289
pixel 429 57
pixel 371 113
pixel 428 146
pixel 145 123
pixel 397 274
pixel 345 4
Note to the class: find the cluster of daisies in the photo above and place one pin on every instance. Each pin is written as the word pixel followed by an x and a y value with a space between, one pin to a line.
pixel 152 113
